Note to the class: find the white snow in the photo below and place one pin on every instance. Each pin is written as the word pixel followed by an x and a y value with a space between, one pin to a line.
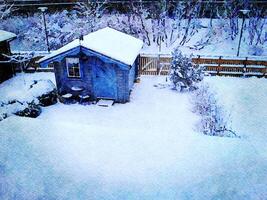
pixel 75 88
pixel 18 88
pixel 105 103
pixel 42 87
pixel 107 41
pixel 5 35
pixel 68 95
pixel 145 149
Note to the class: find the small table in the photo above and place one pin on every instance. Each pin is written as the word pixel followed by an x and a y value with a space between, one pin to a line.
pixel 77 89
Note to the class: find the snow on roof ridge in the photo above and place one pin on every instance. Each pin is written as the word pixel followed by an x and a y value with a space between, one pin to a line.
pixel 5 35
pixel 107 41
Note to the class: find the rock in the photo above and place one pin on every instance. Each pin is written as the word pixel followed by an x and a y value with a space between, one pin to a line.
pixel 3 116
pixel 48 99
pixel 31 110
pixel 45 91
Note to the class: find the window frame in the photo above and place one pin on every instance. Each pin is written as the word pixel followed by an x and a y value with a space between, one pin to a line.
pixel 68 71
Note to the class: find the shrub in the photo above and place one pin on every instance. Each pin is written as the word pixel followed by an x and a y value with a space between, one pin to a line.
pixel 214 120
pixel 184 74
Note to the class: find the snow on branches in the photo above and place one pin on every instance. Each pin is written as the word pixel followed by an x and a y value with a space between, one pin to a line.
pixel 5 10
pixel 214 120
pixel 23 60
pixel 92 11
pixel 184 73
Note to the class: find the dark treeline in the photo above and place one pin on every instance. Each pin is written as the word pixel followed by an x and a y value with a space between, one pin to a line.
pixel 207 9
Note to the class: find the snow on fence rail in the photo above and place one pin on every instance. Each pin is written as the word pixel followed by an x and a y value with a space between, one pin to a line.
pixel 155 64
pixel 222 66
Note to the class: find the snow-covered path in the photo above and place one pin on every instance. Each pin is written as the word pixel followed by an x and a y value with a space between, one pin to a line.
pixel 145 149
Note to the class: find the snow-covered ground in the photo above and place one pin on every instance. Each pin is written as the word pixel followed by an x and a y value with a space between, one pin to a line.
pixel 145 149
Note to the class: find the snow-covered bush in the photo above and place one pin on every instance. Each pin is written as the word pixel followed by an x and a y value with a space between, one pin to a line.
pixel 45 91
pixel 184 73
pixel 28 103
pixel 214 120
pixel 30 110
pixel 23 109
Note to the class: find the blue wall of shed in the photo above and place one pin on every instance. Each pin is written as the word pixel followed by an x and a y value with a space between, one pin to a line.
pixel 125 75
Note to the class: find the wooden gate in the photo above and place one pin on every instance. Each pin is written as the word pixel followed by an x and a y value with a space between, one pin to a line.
pixel 154 65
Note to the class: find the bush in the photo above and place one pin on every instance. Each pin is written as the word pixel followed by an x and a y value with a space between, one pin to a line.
pixel 31 110
pixel 39 93
pixel 184 74
pixel 45 91
pixel 214 120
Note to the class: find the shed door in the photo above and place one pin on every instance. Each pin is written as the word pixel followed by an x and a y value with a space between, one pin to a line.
pixel 105 84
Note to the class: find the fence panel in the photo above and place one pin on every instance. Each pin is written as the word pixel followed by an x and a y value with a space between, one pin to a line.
pixel 160 65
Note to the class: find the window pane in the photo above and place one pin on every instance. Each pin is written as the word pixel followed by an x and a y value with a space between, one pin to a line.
pixel 76 65
pixel 71 71
pixel 77 72
pixel 73 67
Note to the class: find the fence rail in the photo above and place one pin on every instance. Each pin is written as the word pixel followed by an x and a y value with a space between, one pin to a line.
pixel 221 66
pixel 160 65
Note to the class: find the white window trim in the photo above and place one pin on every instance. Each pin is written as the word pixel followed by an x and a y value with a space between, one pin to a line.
pixel 68 67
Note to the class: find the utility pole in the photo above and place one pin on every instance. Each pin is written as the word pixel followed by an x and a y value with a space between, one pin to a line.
pixel 244 13
pixel 43 9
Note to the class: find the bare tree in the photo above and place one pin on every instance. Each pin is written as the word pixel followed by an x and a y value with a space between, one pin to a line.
pixel 140 14
pixel 23 60
pixel 191 14
pixel 159 16
pixel 5 10
pixel 176 25
pixel 257 21
pixel 93 11
pixel 232 8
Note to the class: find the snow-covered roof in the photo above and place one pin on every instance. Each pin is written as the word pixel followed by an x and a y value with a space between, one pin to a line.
pixel 5 35
pixel 107 41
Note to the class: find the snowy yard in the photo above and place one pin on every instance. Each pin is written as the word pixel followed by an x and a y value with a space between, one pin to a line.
pixel 145 149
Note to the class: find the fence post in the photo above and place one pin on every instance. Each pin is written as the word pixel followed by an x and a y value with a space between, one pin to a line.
pixel 198 59
pixel 245 66
pixel 219 65
pixel 158 63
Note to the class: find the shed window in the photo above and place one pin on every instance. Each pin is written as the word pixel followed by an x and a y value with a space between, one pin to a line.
pixel 73 67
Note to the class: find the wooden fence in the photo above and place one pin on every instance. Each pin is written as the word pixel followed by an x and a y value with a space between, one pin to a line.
pixel 221 66
pixel 160 65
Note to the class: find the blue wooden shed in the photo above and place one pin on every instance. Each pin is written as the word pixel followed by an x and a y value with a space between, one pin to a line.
pixel 102 65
